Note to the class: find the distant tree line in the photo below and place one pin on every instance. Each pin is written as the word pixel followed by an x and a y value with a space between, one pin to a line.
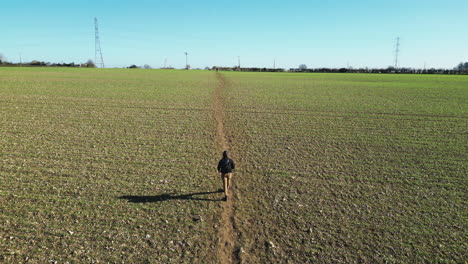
pixel 380 70
pixel 236 68
pixel 35 63
pixel 462 67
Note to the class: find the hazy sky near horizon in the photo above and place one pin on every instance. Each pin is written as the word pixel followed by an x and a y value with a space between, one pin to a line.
pixel 316 33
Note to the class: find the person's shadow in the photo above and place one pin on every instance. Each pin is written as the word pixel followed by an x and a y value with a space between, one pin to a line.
pixel 169 196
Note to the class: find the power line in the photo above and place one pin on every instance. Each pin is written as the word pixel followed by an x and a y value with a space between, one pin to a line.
pixel 98 60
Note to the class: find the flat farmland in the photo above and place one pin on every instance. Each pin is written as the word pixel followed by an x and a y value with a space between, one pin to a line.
pixel 107 166
pixel 350 168
pixel 118 166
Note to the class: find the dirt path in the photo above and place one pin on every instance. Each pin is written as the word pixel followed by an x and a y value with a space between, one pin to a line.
pixel 226 234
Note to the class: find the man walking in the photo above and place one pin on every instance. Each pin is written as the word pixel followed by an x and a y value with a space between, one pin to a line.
pixel 225 167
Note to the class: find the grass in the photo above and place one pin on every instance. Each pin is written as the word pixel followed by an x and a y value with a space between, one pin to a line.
pixel 117 165
pixel 340 168
pixel 77 144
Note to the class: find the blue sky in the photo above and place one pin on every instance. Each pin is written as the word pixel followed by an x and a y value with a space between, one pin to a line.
pixel 316 33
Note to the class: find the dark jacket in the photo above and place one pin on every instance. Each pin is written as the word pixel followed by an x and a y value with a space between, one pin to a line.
pixel 226 165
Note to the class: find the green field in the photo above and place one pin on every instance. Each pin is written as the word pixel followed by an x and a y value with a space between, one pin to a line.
pixel 118 165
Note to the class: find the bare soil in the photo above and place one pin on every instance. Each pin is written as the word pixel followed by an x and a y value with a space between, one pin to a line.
pixel 227 234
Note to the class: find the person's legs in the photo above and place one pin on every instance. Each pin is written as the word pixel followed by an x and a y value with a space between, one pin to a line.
pixel 229 177
pixel 222 181
pixel 225 184
pixel 226 177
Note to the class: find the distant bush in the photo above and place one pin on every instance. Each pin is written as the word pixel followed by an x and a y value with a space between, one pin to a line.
pixel 90 64
pixel 37 63
pixel 462 67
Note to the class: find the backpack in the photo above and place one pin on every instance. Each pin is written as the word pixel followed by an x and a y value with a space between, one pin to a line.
pixel 226 165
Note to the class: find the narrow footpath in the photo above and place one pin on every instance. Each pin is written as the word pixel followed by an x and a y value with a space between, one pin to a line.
pixel 227 234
